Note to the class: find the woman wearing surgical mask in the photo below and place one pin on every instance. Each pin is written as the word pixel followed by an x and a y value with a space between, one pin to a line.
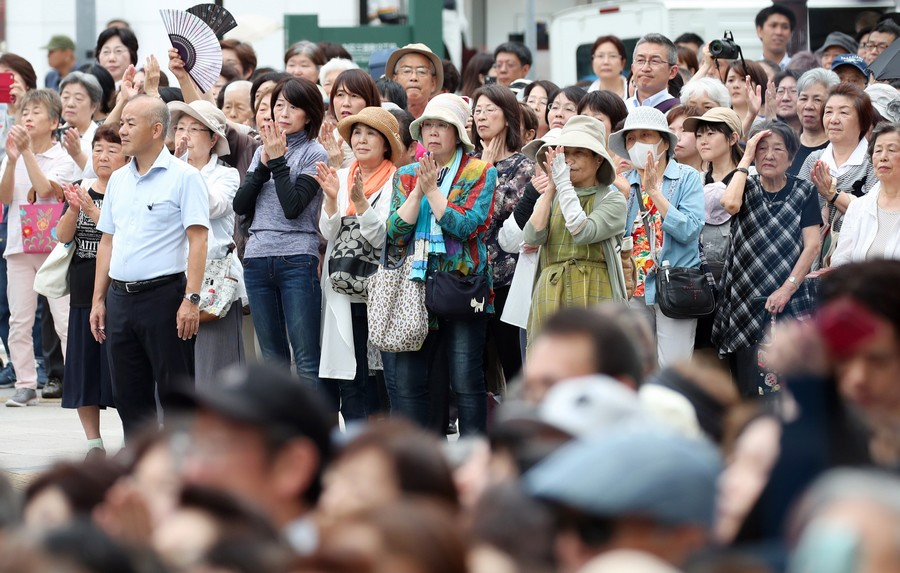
pixel 671 213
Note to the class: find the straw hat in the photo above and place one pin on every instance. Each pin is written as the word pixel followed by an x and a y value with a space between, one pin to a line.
pixel 449 108
pixel 642 118
pixel 420 49
pixel 716 115
pixel 587 133
pixel 532 147
pixel 380 120
pixel 207 114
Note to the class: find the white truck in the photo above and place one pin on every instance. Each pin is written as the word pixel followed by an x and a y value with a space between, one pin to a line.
pixel 573 31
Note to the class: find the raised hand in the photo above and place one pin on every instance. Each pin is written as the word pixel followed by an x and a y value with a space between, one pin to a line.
pixel 176 64
pixel 493 151
pixel 541 181
pixel 181 146
pixel 753 142
pixel 274 141
pixel 72 197
pixel 357 189
pixel 326 177
pixel 331 144
pixel 771 111
pixel 71 142
pixel 127 90
pixel 754 97
pixel 559 170
pixel 151 76
pixel 821 178
pixel 21 137
pixel 426 174
pixel 11 150
pixel 651 178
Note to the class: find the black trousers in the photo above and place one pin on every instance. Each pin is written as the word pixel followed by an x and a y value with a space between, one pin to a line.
pixel 146 356
pixel 51 346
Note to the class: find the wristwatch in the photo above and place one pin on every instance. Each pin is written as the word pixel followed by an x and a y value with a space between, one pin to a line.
pixel 793 280
pixel 193 297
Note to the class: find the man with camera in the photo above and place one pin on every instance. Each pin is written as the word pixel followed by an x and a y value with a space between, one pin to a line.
pixel 655 62
pixel 775 25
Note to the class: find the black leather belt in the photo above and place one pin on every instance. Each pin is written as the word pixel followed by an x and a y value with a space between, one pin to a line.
pixel 135 287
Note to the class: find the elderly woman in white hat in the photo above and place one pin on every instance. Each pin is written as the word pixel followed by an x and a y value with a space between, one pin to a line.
pixel 198 129
pixel 665 206
pixel 441 208
pixel 356 205
pixel 578 222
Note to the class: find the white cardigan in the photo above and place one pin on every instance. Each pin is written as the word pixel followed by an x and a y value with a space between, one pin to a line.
pixel 338 360
pixel 858 232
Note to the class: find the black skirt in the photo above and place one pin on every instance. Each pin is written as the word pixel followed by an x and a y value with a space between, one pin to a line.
pixel 87 381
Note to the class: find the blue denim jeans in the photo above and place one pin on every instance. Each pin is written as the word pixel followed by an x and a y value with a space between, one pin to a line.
pixel 462 344
pixel 286 303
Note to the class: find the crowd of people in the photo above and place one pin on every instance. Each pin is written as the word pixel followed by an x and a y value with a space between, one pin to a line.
pixel 658 306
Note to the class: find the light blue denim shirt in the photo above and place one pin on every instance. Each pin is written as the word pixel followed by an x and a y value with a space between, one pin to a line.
pixel 682 224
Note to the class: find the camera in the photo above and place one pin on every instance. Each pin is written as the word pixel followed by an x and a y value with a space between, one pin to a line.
pixel 725 49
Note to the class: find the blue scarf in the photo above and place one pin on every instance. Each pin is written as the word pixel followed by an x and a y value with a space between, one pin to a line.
pixel 428 237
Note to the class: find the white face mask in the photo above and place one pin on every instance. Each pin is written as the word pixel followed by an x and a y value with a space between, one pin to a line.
pixel 638 153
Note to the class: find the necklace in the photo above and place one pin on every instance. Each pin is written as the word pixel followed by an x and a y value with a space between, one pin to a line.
pixel 770 202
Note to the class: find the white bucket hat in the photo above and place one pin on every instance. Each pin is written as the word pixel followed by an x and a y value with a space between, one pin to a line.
pixel 587 133
pixel 207 114
pixel 449 108
pixel 886 101
pixel 642 118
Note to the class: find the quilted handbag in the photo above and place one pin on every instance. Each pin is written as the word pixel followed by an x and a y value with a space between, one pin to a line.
pixel 219 287
pixel 353 260
pixel 398 319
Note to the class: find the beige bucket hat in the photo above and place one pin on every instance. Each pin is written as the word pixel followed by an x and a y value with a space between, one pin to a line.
pixel 587 133
pixel 207 114
pixel 423 50
pixel 449 108
pixel 380 120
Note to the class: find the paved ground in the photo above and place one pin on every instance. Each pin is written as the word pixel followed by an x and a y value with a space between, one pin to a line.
pixel 33 438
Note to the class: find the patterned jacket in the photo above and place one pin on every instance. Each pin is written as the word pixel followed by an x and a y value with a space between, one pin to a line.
pixel 470 206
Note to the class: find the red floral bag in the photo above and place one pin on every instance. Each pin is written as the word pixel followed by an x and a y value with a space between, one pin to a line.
pixel 39 222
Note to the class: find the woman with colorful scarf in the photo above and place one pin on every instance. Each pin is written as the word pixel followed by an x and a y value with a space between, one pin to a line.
pixel 357 200
pixel 441 208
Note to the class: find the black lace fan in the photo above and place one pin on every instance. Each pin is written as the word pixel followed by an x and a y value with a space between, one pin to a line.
pixel 216 17
pixel 196 44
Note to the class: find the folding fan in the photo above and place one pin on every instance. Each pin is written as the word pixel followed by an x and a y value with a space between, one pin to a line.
pixel 216 17
pixel 196 44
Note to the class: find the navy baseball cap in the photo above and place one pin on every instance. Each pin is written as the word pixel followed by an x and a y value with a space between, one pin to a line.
pixel 850 60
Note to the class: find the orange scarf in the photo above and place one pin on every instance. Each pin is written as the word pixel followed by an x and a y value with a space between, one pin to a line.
pixel 371 185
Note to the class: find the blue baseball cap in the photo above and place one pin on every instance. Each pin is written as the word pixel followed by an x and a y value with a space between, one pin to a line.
pixel 850 60
pixel 650 473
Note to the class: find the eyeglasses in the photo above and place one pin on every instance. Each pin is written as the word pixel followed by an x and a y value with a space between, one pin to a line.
pixel 485 110
pixel 780 92
pixel 501 65
pixel 191 130
pixel 118 52
pixel 420 72
pixel 881 46
pixel 604 56
pixel 652 62
pixel 537 101
pixel 435 125
pixel 564 108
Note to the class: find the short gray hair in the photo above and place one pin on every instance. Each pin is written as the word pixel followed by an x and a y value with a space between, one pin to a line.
pixel 333 64
pixel 661 40
pixel 48 98
pixel 90 83
pixel 827 78
pixel 782 130
pixel 157 113
pixel 711 87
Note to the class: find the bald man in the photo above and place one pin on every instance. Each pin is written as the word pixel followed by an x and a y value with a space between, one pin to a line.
pixel 154 221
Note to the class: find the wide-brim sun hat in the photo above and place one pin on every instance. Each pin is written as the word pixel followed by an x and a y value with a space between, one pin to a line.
pixel 207 114
pixel 642 118
pixel 716 115
pixel 587 133
pixel 532 147
pixel 449 108
pixel 379 119
pixel 420 49
pixel 886 101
